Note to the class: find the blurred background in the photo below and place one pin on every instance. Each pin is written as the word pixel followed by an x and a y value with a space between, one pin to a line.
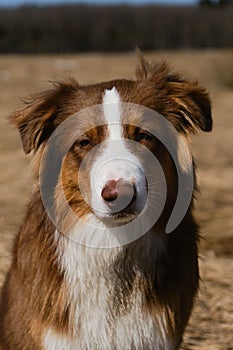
pixel 114 26
pixel 43 41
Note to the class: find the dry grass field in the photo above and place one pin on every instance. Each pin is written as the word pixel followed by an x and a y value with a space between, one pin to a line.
pixel 211 325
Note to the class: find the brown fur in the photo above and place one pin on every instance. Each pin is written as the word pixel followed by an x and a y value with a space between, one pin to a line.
pixel 34 295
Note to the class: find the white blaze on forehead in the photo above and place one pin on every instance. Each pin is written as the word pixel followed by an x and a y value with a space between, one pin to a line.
pixel 112 112
pixel 115 161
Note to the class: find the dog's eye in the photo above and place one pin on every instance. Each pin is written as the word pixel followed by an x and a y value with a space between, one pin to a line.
pixel 84 143
pixel 143 136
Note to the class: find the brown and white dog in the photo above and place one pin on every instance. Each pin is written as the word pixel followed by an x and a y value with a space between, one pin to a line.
pixel 61 294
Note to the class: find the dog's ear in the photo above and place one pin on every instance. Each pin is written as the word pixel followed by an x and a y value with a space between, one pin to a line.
pixel 37 121
pixel 33 121
pixel 190 107
pixel 190 103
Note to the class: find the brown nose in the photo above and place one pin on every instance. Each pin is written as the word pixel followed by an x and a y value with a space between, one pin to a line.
pixel 109 192
pixel 121 190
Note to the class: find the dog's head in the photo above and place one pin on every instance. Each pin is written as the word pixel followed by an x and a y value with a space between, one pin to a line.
pixel 107 167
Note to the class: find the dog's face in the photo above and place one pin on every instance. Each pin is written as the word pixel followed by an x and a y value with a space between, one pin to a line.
pixel 107 166
pixel 112 175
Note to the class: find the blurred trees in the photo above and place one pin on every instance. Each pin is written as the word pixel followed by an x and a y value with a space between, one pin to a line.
pixel 72 28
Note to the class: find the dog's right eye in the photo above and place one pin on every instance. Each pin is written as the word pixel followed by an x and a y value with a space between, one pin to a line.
pixel 143 136
pixel 84 143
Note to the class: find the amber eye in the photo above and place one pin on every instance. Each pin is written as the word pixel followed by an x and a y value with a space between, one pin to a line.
pixel 84 143
pixel 143 136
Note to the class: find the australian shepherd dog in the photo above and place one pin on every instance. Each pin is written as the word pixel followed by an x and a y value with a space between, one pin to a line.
pixel 107 255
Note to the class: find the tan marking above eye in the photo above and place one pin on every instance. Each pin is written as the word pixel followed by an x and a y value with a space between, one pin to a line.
pixel 90 139
pixel 137 134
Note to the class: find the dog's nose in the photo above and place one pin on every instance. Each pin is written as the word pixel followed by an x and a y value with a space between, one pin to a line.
pixel 109 192
pixel 118 193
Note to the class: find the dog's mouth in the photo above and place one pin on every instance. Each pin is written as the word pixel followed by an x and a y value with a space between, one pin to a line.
pixel 121 205
pixel 119 219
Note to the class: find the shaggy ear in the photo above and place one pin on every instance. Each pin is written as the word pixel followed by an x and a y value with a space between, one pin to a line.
pixel 190 104
pixel 37 121
pixel 193 105
pixel 33 121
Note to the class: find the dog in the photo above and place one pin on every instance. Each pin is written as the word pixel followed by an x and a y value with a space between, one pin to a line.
pixel 83 274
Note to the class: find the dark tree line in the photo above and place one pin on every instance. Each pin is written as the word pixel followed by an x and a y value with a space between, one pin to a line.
pixel 215 2
pixel 72 28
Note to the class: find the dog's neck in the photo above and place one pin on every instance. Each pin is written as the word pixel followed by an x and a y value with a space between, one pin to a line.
pixel 110 294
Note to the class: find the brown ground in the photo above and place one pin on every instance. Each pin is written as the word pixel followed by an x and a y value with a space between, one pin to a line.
pixel 211 325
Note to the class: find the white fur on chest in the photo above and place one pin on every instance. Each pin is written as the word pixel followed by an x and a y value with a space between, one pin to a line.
pixel 127 336
pixel 97 327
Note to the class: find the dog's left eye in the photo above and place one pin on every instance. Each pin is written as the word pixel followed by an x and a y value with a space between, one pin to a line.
pixel 143 136
pixel 84 143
